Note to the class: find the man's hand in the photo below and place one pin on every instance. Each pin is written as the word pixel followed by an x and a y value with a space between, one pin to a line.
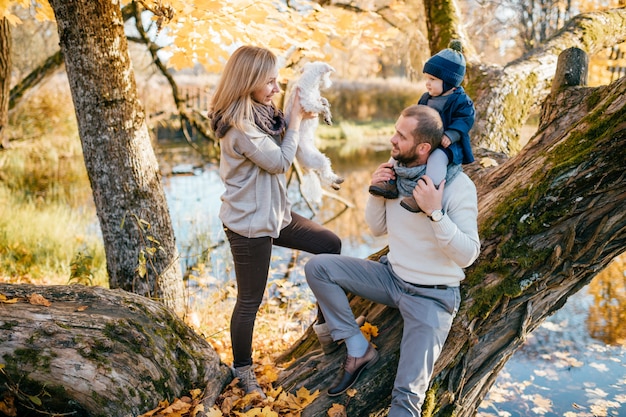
pixel 427 196
pixel 383 173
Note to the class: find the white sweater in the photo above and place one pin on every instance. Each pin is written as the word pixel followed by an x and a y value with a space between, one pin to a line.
pixel 253 167
pixel 425 252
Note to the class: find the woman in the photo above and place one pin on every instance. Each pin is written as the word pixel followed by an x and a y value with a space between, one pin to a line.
pixel 257 149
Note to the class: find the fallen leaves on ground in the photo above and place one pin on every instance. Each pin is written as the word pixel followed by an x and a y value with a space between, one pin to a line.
pixel 38 300
pixel 5 300
pixel 337 410
pixel 233 402
pixel 180 407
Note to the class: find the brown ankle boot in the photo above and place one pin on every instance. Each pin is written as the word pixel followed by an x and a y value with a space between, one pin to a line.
pixel 410 204
pixel 352 368
pixel 387 189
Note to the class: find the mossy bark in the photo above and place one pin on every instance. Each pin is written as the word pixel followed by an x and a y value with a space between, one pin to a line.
pixel 99 352
pixel 5 79
pixel 550 219
pixel 504 97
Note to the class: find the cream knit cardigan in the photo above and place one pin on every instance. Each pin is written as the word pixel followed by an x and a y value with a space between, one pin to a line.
pixel 253 167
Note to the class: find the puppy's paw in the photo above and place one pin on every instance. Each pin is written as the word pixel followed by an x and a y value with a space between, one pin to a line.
pixel 336 183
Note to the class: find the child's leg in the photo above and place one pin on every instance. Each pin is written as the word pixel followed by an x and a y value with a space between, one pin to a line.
pixel 437 166
pixel 436 169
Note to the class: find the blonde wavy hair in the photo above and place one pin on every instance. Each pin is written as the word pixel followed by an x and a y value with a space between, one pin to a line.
pixel 248 69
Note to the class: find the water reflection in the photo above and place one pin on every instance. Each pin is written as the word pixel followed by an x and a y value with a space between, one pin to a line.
pixel 607 313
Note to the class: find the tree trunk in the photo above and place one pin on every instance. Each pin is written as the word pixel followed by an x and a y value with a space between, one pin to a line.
pixel 550 219
pixel 98 352
pixel 131 207
pixel 5 79
pixel 445 23
pixel 504 97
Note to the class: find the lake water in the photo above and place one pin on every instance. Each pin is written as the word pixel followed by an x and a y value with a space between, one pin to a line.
pixel 560 371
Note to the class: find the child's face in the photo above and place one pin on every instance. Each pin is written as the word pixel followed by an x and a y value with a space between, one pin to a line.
pixel 434 85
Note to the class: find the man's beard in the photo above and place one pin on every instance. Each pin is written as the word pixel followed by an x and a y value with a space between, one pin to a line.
pixel 406 158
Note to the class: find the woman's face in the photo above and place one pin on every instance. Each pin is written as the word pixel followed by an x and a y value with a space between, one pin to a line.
pixel 266 92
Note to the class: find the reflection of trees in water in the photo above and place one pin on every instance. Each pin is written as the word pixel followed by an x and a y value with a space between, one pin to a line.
pixel 607 314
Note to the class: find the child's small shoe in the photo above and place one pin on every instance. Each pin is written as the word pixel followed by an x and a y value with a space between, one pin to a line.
pixel 410 204
pixel 387 189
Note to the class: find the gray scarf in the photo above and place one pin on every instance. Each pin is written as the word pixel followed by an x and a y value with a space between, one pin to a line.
pixel 267 118
pixel 407 177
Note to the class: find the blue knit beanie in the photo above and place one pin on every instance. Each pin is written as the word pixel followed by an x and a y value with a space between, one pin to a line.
pixel 448 65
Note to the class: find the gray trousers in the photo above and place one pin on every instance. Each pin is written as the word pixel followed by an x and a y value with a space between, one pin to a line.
pixel 427 315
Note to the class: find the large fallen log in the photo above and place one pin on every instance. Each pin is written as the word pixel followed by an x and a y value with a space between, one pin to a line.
pixel 98 352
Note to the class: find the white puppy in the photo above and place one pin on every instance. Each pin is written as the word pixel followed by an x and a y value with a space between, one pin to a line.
pixel 314 78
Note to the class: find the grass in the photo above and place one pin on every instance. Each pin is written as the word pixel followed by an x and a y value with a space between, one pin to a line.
pixel 48 226
pixel 40 244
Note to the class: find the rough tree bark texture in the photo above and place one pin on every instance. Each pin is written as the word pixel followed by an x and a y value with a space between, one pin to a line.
pixel 505 96
pixel 445 23
pixel 550 219
pixel 99 352
pixel 121 164
pixel 5 79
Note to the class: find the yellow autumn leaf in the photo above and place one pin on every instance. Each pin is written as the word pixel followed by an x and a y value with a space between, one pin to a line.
pixel 38 300
pixel 369 331
pixel 267 374
pixel 210 6
pixel 12 19
pixel 254 14
pixel 179 61
pixel 345 21
pixel 304 397
pixel 44 11
pixel 262 412
pixel 4 299
pixel 488 162
pixel 195 393
pixel 337 410
pixel 274 392
pixel 319 37
pixel 213 412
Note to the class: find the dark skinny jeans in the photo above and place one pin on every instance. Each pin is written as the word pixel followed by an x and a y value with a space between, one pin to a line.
pixel 251 257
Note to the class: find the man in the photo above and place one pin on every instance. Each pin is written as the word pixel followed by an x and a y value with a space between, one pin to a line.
pixel 422 271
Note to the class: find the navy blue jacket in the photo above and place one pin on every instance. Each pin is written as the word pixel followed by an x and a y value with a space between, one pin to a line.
pixel 457 114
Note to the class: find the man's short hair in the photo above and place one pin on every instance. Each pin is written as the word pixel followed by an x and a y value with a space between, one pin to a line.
pixel 429 127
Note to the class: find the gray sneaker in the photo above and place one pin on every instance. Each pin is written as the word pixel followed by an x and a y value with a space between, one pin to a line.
pixel 248 381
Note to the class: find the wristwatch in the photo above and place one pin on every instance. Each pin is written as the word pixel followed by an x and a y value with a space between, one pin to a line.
pixel 436 215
